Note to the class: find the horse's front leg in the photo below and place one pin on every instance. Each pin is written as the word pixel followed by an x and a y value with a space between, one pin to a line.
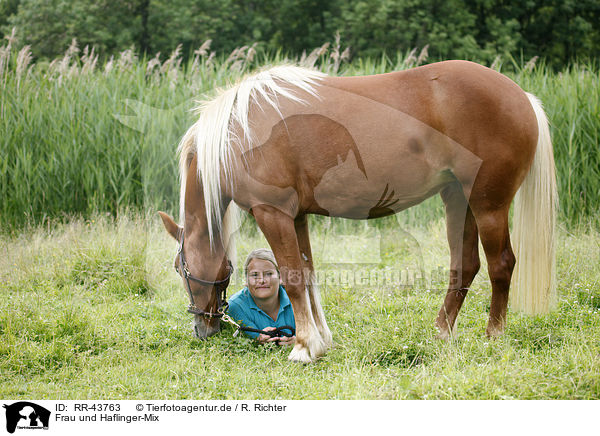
pixel 280 232
pixel 301 224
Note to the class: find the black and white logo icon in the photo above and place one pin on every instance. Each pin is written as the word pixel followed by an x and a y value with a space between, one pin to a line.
pixel 26 415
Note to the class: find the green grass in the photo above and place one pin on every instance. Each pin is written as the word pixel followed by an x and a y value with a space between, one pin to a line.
pixel 93 309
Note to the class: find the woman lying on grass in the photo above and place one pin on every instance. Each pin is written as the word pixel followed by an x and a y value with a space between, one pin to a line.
pixel 263 304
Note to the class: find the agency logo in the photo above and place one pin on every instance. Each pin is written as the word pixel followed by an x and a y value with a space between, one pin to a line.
pixel 26 415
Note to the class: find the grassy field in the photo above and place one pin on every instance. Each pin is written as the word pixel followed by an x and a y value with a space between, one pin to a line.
pixel 93 310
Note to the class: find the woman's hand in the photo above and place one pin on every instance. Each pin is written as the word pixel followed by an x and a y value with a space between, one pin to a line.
pixel 286 340
pixel 262 338
pixel 279 340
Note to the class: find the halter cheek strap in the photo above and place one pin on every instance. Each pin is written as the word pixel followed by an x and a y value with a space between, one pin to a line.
pixel 221 286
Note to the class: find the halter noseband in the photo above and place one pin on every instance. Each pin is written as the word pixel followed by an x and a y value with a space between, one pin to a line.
pixel 221 286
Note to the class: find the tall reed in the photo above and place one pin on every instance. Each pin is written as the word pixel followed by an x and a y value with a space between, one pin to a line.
pixel 572 102
pixel 78 136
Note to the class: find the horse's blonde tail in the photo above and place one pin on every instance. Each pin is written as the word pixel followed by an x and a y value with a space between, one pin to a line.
pixel 536 204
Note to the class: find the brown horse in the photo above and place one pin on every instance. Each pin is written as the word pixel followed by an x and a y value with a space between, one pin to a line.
pixel 287 142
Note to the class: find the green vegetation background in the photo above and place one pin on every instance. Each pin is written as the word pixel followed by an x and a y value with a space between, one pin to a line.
pixel 95 128
pixel 79 135
pixel 558 30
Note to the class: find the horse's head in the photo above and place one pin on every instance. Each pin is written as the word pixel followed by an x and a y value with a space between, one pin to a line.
pixel 205 274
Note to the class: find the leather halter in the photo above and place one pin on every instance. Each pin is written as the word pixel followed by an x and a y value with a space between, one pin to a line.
pixel 221 286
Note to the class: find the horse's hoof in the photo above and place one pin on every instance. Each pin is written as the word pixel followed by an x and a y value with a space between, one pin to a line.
pixel 318 348
pixel 493 333
pixel 300 354
pixel 314 348
pixel 327 339
pixel 443 335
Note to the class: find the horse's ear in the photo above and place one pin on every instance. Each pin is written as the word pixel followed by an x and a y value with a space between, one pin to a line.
pixel 172 228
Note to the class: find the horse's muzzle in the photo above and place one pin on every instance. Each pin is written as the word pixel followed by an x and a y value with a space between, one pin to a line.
pixel 204 328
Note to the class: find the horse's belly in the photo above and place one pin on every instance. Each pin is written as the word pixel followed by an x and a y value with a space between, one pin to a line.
pixel 346 192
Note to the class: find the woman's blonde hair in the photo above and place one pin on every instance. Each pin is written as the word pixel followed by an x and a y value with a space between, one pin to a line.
pixel 262 254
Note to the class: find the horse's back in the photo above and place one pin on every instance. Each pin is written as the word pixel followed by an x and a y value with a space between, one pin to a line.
pixel 372 145
pixel 477 119
pixel 450 96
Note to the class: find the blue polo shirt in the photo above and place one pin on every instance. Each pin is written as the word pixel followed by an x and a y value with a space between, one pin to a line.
pixel 243 309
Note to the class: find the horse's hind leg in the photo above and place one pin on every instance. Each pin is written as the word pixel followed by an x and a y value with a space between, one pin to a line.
pixel 495 238
pixel 301 225
pixel 464 255
pixel 280 232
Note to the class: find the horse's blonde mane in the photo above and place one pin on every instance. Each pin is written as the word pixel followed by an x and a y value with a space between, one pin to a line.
pixel 212 136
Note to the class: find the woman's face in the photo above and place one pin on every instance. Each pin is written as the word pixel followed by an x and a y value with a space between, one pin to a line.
pixel 262 279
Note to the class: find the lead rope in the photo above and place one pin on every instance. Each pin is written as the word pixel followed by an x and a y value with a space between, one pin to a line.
pixel 279 331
